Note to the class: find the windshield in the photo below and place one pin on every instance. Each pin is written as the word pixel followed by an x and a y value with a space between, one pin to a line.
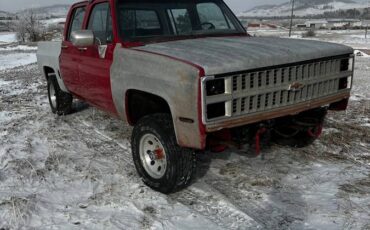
pixel 140 20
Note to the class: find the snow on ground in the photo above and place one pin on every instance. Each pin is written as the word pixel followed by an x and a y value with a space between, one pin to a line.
pixel 76 172
pixel 353 38
pixel 7 37
pixel 13 55
pixel 361 53
pixel 304 8
pixel 18 48
pixel 12 60
pixel 53 21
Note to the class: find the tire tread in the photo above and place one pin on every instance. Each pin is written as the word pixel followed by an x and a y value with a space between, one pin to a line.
pixel 64 100
pixel 184 159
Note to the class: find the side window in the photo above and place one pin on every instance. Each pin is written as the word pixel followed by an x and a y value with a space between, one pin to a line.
pixel 181 20
pixel 77 20
pixel 211 15
pixel 140 23
pixel 100 23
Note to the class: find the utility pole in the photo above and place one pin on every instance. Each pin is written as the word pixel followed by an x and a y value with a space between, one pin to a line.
pixel 291 19
pixel 366 28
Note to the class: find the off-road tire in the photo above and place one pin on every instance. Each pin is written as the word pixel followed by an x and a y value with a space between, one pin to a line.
pixel 62 103
pixel 181 162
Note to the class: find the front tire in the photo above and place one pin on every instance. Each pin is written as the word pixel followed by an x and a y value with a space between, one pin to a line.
pixel 60 102
pixel 159 160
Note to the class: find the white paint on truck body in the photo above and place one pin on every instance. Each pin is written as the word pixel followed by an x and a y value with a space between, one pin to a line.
pixel 48 54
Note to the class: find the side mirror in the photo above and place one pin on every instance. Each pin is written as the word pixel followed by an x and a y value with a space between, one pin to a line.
pixel 82 38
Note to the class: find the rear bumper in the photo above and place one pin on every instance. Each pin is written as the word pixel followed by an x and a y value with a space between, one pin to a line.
pixel 276 113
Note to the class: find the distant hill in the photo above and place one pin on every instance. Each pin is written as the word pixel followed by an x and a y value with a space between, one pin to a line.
pixel 4 15
pixel 54 11
pixel 305 8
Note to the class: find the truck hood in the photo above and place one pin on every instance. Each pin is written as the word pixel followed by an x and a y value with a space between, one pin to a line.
pixel 233 54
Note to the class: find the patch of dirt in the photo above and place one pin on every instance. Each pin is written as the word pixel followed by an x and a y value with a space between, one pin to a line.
pixel 361 187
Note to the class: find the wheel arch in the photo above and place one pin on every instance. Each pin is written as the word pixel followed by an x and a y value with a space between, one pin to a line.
pixel 139 104
pixel 48 71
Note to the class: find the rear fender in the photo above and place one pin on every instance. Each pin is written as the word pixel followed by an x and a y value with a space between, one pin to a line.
pixel 48 54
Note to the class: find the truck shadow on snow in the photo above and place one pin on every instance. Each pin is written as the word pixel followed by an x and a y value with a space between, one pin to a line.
pixel 79 106
pixel 253 186
pixel 293 187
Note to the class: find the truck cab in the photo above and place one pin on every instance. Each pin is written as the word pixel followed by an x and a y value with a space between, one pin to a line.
pixel 86 69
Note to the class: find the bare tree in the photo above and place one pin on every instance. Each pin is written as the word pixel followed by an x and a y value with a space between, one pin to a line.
pixel 33 27
pixel 20 28
pixel 29 27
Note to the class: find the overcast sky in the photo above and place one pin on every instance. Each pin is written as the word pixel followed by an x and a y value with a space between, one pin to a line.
pixel 15 5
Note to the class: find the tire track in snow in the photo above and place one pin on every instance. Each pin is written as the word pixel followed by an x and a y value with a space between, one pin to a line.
pixel 215 206
pixel 267 214
pixel 227 206
pixel 100 143
pixel 217 209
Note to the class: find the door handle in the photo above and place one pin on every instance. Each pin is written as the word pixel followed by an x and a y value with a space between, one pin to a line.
pixel 65 47
pixel 82 49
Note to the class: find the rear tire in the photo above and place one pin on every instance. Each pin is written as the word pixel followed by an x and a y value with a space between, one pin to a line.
pixel 60 102
pixel 160 161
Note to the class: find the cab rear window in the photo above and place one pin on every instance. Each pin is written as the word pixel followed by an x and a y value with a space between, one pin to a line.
pixel 142 20
pixel 140 23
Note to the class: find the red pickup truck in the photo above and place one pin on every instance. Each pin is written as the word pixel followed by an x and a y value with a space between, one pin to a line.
pixel 184 73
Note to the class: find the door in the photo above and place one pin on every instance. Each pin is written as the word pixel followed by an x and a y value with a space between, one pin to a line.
pixel 70 55
pixel 96 60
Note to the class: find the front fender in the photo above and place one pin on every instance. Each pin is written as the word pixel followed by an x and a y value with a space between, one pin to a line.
pixel 174 81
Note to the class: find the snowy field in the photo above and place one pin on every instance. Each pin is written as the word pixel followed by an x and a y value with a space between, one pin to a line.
pixel 76 172
pixel 7 37
pixel 353 38
pixel 303 8
pixel 12 54
pixel 12 60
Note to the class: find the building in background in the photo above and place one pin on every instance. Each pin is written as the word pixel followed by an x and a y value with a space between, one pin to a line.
pixel 332 24
pixel 316 24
